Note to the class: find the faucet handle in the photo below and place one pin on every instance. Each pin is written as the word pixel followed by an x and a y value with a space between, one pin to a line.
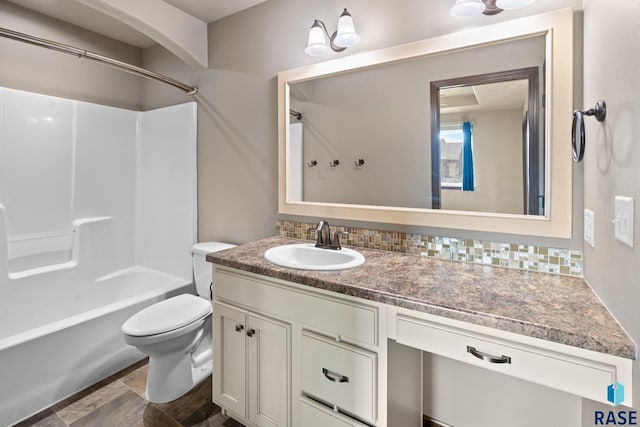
pixel 336 238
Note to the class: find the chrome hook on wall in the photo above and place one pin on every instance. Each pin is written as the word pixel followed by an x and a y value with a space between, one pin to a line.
pixel 334 163
pixel 359 163
pixel 312 163
pixel 577 129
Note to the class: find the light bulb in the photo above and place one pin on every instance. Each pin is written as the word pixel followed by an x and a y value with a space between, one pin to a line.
pixel 317 44
pixel 467 8
pixel 346 35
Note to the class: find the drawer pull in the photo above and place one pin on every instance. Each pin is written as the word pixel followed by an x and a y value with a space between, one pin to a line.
pixel 239 328
pixel 487 357
pixel 251 333
pixel 335 377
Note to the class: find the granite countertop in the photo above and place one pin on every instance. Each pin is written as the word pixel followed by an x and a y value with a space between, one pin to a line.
pixel 556 308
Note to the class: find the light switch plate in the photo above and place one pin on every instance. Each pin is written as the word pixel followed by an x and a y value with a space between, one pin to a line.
pixel 623 221
pixel 590 227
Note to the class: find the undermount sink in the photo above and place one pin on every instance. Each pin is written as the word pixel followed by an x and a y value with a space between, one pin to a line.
pixel 306 256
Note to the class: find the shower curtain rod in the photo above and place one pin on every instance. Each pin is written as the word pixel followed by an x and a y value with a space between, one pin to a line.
pixel 114 63
pixel 296 114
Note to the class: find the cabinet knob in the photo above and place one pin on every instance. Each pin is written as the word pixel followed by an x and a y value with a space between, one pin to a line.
pixel 251 332
pixel 239 328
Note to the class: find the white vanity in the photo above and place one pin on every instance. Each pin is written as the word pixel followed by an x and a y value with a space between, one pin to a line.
pixel 305 348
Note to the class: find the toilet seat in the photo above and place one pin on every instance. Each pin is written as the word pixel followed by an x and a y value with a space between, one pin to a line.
pixel 167 315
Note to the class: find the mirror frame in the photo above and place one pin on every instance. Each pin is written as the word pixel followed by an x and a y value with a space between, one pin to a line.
pixel 557 27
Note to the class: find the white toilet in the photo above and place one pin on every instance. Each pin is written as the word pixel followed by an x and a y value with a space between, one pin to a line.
pixel 176 334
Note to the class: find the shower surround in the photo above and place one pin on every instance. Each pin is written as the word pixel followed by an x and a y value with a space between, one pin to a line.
pixel 97 220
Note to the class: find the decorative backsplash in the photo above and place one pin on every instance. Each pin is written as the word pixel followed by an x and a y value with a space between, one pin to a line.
pixel 510 255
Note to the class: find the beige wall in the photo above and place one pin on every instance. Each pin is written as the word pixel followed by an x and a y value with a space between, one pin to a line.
pixel 612 158
pixel 35 69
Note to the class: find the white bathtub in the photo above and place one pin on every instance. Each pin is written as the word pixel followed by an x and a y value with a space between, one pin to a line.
pixel 58 336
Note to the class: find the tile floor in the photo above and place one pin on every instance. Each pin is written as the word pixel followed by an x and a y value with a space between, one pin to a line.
pixel 118 401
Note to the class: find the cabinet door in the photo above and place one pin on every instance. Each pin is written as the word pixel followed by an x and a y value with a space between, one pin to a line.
pixel 229 373
pixel 269 370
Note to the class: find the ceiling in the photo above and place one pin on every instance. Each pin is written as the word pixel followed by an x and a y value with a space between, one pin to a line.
pixel 90 19
pixel 486 97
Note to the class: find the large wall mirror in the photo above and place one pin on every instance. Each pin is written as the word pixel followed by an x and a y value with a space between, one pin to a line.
pixel 468 131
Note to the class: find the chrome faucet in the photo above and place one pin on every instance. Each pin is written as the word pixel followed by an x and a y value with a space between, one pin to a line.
pixel 323 238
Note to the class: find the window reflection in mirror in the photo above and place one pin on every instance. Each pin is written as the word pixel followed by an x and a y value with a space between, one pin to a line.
pixel 451 161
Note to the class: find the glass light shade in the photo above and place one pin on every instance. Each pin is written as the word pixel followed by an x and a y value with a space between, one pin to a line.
pixel 467 8
pixel 513 4
pixel 346 35
pixel 317 44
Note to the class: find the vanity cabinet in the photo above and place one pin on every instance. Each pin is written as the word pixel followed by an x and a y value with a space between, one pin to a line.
pixel 288 355
pixel 252 368
pixel 570 369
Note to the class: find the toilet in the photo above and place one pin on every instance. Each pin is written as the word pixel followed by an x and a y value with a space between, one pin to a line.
pixel 176 334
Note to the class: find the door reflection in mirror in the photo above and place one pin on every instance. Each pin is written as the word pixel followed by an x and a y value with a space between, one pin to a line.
pixel 501 113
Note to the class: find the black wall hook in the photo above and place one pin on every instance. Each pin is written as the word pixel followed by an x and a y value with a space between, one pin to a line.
pixel 577 129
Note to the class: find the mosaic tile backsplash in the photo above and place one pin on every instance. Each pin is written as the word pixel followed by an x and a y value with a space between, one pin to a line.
pixel 524 257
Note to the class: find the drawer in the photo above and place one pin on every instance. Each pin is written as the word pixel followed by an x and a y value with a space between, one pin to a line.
pixel 334 316
pixel 342 376
pixel 313 414
pixel 572 374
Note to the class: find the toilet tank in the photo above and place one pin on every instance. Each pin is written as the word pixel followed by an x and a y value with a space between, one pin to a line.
pixel 201 268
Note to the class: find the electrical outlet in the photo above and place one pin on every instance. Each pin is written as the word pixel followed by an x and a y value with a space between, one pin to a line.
pixel 590 227
pixel 623 221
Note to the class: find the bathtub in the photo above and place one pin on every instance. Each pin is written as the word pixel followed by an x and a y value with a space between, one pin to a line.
pixel 59 335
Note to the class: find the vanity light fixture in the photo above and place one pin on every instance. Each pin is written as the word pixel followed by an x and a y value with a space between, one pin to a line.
pixel 345 36
pixel 469 8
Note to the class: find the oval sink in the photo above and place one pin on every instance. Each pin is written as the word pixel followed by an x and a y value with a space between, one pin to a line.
pixel 306 256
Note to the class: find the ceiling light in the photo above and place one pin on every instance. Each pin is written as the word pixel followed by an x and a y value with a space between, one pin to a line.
pixel 469 8
pixel 345 36
pixel 513 4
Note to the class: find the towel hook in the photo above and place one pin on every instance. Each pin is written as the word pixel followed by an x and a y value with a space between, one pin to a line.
pixel 577 129
pixel 359 163
pixel 334 163
pixel 312 163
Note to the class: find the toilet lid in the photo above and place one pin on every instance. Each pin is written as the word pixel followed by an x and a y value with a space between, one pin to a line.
pixel 167 315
